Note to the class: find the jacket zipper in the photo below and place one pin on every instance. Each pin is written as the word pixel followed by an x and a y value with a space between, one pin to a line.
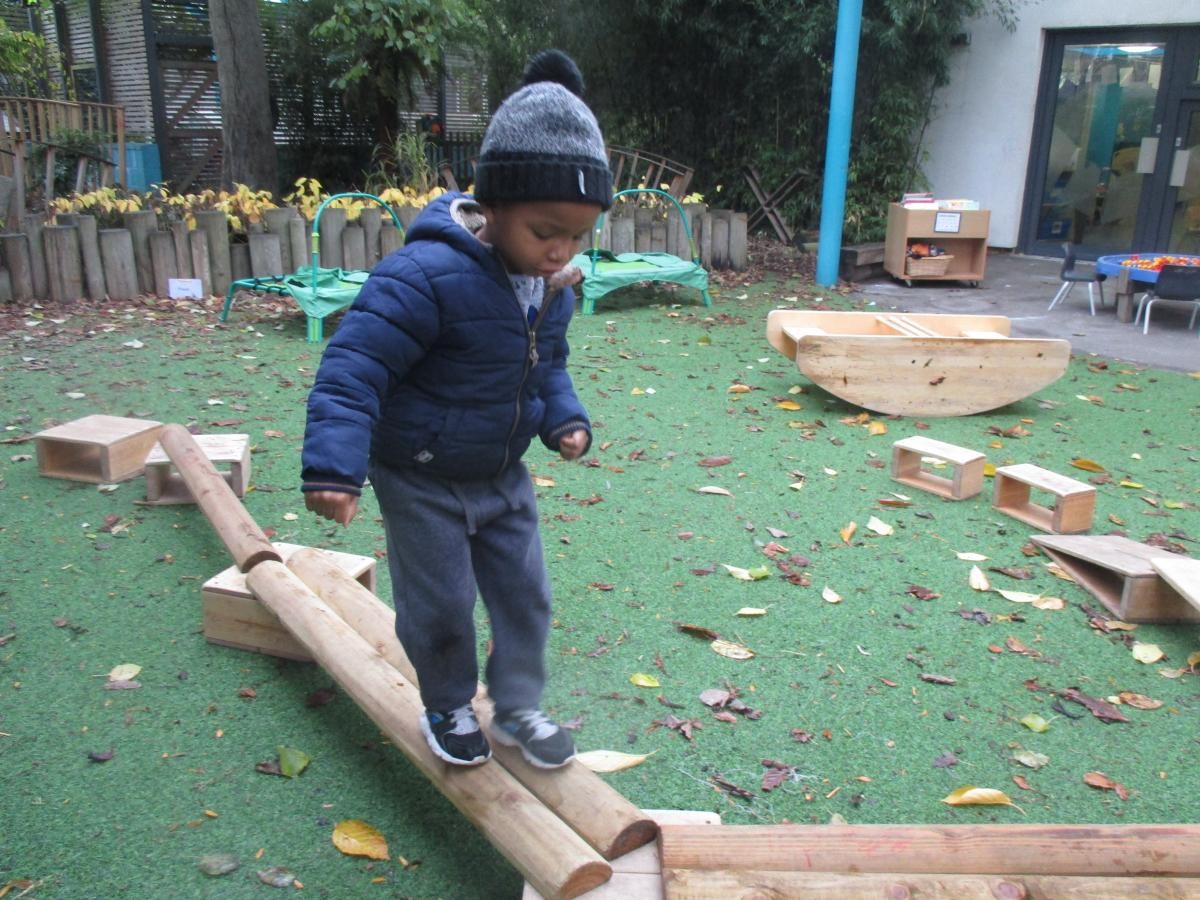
pixel 531 360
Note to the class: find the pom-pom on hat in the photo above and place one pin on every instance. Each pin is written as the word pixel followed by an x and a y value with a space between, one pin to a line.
pixel 543 143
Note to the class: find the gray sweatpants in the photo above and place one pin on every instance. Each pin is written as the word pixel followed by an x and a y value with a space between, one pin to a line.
pixel 448 541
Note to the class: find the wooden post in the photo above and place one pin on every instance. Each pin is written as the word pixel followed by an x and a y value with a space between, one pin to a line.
pixel 719 218
pixel 739 256
pixel 243 539
pixel 266 256
pixel 6 292
pixel 89 247
pixel 622 234
pixel 298 242
pixel 140 225
pixel 704 238
pixel 407 214
pixel 354 247
pixel 1095 850
pixel 116 257
pixel 371 221
pixel 64 263
pixel 215 226
pixel 604 818
pixel 183 255
pixel 390 239
pixel 658 236
pixel 198 250
pixel 278 221
pixel 539 844
pixel 695 213
pixel 162 261
pixel 643 219
pixel 14 249
pixel 239 261
pixel 333 223
pixel 32 224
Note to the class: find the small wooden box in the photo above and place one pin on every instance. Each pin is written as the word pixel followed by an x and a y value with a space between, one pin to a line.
pixel 96 449
pixel 1075 502
pixel 966 467
pixel 1122 574
pixel 234 618
pixel 164 485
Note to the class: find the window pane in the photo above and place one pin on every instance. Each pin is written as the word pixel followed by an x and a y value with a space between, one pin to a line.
pixel 1102 115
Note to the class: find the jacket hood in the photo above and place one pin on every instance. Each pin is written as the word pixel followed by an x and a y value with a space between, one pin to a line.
pixel 453 218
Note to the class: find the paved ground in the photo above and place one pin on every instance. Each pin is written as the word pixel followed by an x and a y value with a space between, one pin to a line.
pixel 1021 287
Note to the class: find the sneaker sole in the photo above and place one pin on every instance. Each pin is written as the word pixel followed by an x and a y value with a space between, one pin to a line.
pixel 500 736
pixel 443 755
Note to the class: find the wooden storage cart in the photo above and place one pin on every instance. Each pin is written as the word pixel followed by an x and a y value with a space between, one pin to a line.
pixel 967 245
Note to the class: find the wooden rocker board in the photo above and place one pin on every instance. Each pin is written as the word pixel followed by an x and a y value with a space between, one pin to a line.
pixel 919 364
pixel 1122 575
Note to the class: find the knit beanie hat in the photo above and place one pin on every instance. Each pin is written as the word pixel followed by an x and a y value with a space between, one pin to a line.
pixel 543 143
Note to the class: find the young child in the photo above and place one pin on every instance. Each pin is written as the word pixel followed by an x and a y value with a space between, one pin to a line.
pixel 452 359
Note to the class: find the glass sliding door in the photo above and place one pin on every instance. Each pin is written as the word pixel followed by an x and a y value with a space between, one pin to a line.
pixel 1184 183
pixel 1101 145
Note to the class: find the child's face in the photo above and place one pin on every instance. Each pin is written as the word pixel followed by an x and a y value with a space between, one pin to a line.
pixel 538 238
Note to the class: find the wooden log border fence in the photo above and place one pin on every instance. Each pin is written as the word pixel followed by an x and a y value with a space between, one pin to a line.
pixel 72 259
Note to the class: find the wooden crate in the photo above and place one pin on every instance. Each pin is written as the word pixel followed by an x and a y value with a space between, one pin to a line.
pixel 234 618
pixel 966 467
pixel 1074 501
pixel 97 449
pixel 164 485
pixel 1121 574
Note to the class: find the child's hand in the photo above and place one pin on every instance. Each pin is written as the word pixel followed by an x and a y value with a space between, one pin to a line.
pixel 336 505
pixel 572 444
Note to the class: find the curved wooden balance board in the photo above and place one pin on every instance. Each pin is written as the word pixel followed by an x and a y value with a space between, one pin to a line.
pixel 925 364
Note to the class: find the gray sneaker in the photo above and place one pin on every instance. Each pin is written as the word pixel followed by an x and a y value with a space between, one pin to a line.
pixel 543 743
pixel 455 736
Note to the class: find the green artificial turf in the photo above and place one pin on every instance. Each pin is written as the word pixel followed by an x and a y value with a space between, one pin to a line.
pixel 91 580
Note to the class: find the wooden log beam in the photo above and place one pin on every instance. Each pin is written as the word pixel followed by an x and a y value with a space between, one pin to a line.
pixel 163 263
pixel 32 224
pixel 540 845
pixel 1093 850
pixel 140 224
pixel 89 246
pixel 704 884
pixel 198 250
pixel 239 533
pixel 64 263
pixel 603 817
pixel 14 251
pixel 215 226
pixel 116 256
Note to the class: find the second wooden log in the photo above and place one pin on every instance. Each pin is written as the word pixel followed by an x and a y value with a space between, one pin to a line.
pixel 542 848
pixel 240 534
pixel 603 817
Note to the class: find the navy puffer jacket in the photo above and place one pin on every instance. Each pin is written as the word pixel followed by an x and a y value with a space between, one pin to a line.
pixel 432 367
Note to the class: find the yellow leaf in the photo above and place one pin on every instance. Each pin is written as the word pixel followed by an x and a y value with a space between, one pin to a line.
pixel 1194 659
pixel 788 404
pixel 641 679
pixel 1126 483
pixel 971 557
pixel 796 389
pixel 848 532
pixel 879 526
pixel 355 837
pixel 969 795
pixel 1087 465
pixel 877 427
pixel 1118 625
pixel 637 392
pixel 124 672
pixel 713 489
pixel 989 469
pixel 1017 596
pixel 1034 722
pixel 1147 653
pixel 739 389
pixel 1059 572
pixel 731 650
pixel 750 611
pixel 611 760
pixel 543 481
pixel 829 595
pixel 738 572
pixel 1049 603
pixel 977 580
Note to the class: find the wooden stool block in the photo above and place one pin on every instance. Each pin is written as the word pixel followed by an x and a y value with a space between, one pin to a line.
pixel 1074 504
pixel 1124 576
pixel 234 618
pixel 164 485
pixel 638 874
pixel 96 449
pixel 966 467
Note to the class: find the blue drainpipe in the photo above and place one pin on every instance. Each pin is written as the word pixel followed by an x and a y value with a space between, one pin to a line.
pixel 837 144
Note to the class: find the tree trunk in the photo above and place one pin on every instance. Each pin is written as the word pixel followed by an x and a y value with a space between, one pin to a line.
pixel 246 120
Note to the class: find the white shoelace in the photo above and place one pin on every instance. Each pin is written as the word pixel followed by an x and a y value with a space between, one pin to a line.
pixel 464 720
pixel 539 722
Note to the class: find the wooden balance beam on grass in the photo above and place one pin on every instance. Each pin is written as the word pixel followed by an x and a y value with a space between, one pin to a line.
pixel 555 827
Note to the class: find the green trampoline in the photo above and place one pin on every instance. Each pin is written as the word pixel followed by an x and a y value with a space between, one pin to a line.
pixel 318 292
pixel 604 271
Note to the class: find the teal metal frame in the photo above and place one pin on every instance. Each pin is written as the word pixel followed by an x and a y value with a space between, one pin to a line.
pixel 278 284
pixel 688 273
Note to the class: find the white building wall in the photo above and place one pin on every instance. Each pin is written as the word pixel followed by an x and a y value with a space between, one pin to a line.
pixel 979 140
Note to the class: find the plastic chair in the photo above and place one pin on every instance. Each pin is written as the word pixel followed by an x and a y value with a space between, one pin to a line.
pixel 1180 283
pixel 1070 278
